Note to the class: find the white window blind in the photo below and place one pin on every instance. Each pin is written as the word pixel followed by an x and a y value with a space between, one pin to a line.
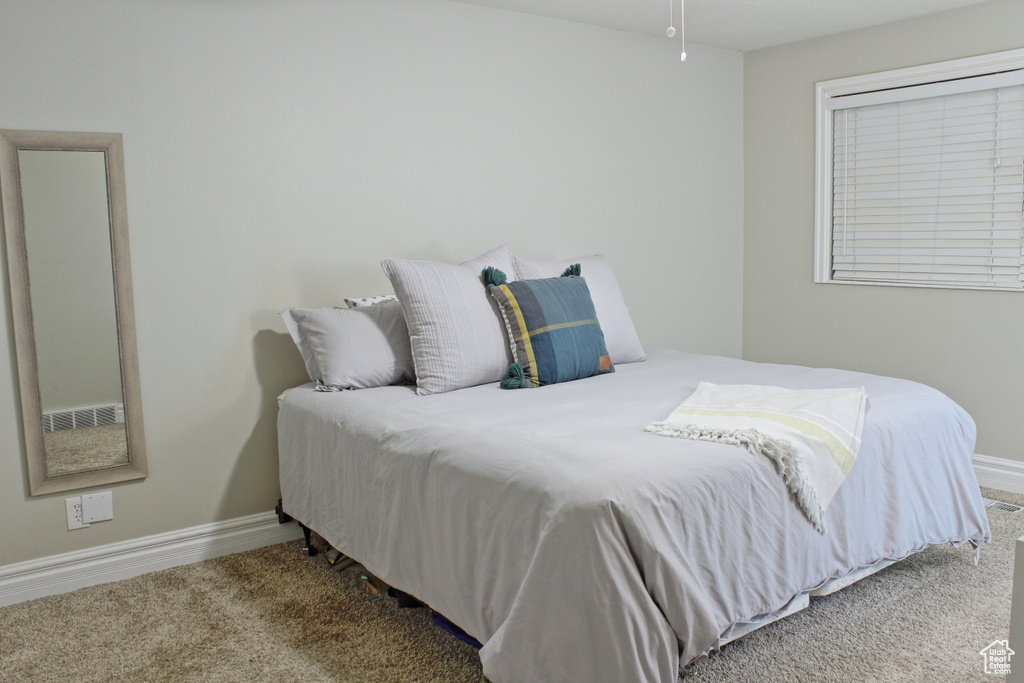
pixel 927 184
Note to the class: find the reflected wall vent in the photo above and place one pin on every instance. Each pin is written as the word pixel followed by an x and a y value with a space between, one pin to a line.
pixel 89 416
pixel 1000 505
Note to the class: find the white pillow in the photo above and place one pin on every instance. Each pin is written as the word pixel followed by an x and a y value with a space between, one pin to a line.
pixel 355 348
pixel 619 334
pixel 292 325
pixel 457 335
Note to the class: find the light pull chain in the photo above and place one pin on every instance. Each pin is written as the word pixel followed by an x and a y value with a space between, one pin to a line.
pixel 671 30
pixel 682 32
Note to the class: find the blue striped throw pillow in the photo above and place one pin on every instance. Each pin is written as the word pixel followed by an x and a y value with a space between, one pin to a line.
pixel 553 329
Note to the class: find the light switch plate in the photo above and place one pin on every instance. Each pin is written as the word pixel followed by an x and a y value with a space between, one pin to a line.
pixel 97 507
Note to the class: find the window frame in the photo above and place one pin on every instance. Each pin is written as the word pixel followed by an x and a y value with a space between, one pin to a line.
pixel 897 78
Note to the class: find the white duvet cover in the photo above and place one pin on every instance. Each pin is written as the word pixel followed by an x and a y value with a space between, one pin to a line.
pixel 577 547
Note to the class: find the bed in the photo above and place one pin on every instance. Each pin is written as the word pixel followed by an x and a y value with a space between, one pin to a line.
pixel 575 546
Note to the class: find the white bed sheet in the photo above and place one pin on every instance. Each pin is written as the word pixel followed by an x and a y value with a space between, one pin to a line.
pixel 577 547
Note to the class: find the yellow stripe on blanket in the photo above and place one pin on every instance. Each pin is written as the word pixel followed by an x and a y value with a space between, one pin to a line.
pixel 839 453
pixel 811 435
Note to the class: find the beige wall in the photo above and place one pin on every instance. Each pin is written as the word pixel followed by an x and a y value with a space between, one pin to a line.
pixel 276 151
pixel 966 343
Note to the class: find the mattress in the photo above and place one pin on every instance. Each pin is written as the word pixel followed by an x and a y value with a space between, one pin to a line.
pixel 575 546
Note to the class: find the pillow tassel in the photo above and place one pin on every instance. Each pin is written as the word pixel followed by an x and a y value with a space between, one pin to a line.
pixel 493 277
pixel 514 377
pixel 572 270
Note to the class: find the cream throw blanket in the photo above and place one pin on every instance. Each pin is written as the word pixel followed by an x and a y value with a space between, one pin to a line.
pixel 812 435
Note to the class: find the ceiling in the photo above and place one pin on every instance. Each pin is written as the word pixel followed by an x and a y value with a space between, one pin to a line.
pixel 742 25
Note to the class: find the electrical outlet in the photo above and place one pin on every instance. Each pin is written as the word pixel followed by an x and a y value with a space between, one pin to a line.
pixel 74 510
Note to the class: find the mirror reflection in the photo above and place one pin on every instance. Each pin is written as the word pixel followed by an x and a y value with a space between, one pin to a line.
pixel 67 238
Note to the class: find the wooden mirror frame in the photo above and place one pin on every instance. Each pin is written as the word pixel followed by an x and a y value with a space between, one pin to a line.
pixel 11 142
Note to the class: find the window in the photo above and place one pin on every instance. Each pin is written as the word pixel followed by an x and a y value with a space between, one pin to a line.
pixel 920 176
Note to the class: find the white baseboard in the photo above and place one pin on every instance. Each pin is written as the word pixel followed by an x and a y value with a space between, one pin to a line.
pixel 999 473
pixel 116 561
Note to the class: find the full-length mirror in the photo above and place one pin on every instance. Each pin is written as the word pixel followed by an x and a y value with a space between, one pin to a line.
pixel 66 230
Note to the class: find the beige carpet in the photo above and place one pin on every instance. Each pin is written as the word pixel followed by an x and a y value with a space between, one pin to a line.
pixel 86 448
pixel 273 615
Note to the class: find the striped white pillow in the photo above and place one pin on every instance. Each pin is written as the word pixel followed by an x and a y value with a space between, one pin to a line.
pixel 457 335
